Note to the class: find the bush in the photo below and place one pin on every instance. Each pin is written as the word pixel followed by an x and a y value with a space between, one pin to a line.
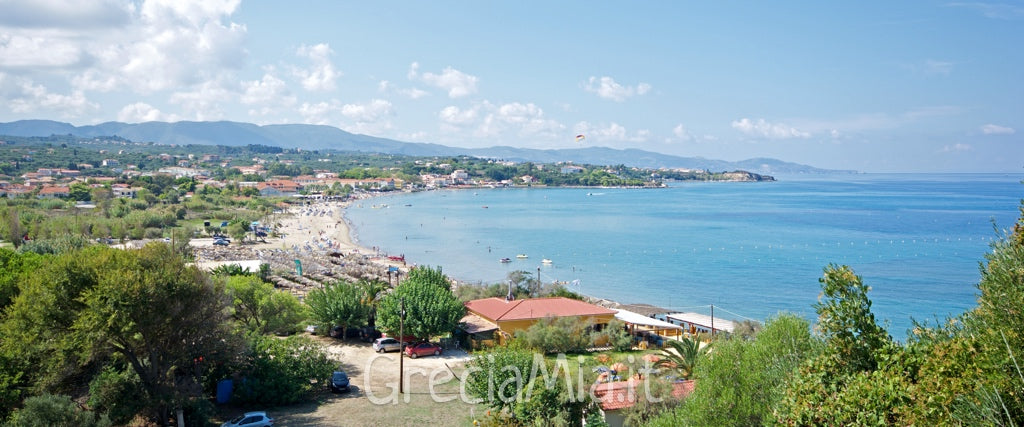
pixel 279 371
pixel 54 410
pixel 557 335
pixel 614 335
pixel 116 393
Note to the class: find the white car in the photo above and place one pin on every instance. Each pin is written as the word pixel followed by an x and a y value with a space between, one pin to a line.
pixel 381 345
pixel 250 419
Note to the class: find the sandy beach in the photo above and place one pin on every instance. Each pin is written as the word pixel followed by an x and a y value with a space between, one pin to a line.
pixel 316 235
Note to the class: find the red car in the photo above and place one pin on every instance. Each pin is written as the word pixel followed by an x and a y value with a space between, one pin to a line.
pixel 422 349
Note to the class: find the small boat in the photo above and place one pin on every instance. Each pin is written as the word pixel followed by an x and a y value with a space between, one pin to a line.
pixel 545 261
pixel 522 256
pixel 506 260
pixel 485 207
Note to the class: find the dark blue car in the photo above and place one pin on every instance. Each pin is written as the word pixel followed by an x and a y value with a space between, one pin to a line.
pixel 339 382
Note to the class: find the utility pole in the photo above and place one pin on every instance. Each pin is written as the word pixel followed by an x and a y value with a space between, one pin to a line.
pixel 712 321
pixel 401 347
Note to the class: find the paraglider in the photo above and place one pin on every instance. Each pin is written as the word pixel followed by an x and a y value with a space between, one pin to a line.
pixel 580 137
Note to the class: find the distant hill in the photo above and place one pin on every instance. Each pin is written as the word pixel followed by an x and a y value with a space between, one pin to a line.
pixel 315 137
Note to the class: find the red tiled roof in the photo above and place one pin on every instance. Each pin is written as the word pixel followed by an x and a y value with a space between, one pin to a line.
pixel 496 309
pixel 624 394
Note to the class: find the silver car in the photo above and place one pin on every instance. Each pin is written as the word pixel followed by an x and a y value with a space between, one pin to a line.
pixel 381 345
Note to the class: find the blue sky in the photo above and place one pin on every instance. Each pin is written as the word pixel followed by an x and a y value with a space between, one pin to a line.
pixel 873 86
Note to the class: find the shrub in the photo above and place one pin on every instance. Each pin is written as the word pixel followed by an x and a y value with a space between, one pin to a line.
pixel 116 393
pixel 54 410
pixel 557 335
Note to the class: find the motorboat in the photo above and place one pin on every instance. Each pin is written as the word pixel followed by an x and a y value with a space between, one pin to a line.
pixel 506 260
pixel 545 261
pixel 522 256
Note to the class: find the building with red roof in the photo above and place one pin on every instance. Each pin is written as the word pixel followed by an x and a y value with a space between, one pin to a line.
pixel 615 397
pixel 509 316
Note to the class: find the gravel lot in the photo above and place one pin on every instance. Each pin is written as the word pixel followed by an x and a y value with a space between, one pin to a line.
pixel 374 399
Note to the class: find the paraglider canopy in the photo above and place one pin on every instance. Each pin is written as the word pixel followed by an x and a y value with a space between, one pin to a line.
pixel 580 137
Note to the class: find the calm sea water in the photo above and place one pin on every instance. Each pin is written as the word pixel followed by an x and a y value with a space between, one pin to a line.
pixel 750 249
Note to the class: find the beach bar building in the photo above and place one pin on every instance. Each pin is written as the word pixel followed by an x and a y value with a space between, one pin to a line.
pixel 508 316
pixel 638 324
pixel 696 323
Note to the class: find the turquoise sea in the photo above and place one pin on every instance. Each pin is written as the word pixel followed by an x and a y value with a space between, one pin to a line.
pixel 750 249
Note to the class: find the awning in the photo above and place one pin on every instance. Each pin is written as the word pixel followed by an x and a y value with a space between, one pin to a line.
pixel 474 324
pixel 639 319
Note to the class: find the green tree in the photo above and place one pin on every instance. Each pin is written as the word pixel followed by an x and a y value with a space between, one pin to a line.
pixel 426 274
pixel 860 376
pixel 281 371
pixel 261 308
pixel 851 334
pixel 167 319
pixel 742 381
pixel 498 376
pixel 79 191
pixel 682 356
pixel 339 304
pixel 430 310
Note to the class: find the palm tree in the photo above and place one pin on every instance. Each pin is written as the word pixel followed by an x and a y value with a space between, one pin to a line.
pixel 682 356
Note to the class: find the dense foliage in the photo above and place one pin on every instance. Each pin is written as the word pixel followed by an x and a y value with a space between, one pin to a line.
pixel 142 330
pixel 339 304
pixel 278 371
pixel 262 309
pixel 430 308
pixel 557 335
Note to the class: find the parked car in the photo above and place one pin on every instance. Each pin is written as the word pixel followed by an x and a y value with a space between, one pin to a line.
pixel 336 332
pixel 220 242
pixel 423 349
pixel 339 382
pixel 369 334
pixel 251 419
pixel 381 345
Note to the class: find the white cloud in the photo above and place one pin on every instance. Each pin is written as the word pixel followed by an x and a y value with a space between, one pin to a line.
pixel 22 95
pixel 370 112
pixel 681 133
pixel 321 74
pixel 956 148
pixel 486 120
pixel 764 129
pixel 991 129
pixel 203 102
pixel 368 118
pixel 457 83
pixel 269 95
pixel 37 51
pixel 606 87
pixel 412 93
pixel 993 10
pixel 319 113
pixel 79 14
pixel 454 116
pixel 611 132
pixel 932 66
pixel 141 112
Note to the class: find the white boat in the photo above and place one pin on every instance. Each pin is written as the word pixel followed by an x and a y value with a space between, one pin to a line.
pixel 522 256
pixel 546 261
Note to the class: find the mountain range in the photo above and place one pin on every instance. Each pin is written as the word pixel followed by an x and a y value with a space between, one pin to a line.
pixel 317 137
